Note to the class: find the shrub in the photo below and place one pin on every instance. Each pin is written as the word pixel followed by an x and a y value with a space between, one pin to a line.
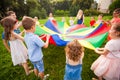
pixel 61 13
pixel 114 5
pixel 91 12
pixel 39 13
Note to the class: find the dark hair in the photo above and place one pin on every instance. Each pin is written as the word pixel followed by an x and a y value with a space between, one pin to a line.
pixel 74 50
pixel 117 28
pixel 8 24
pixel 101 15
pixel 28 22
pixel 10 12
pixel 117 10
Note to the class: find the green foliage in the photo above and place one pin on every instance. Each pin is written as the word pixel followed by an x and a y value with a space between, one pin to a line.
pixel 62 5
pixel 36 9
pixel 83 4
pixel 73 10
pixel 91 12
pixel 43 13
pixel 46 5
pixel 114 5
pixel 61 13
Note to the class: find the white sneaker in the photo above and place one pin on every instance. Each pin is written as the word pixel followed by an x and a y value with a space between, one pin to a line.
pixel 46 76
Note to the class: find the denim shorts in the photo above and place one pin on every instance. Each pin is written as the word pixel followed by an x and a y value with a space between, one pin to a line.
pixel 39 65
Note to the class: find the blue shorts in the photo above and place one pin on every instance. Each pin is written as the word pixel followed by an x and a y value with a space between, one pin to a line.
pixel 39 65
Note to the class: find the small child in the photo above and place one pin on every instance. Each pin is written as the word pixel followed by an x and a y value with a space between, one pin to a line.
pixel 100 19
pixel 74 55
pixel 92 21
pixel 17 30
pixel 108 64
pixel 71 21
pixel 36 20
pixel 51 16
pixel 63 19
pixel 80 17
pixel 17 48
pixel 116 15
pixel 34 45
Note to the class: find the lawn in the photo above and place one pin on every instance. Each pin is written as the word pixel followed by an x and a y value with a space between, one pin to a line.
pixel 54 61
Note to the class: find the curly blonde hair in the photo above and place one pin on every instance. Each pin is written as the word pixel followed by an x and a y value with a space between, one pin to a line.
pixel 74 50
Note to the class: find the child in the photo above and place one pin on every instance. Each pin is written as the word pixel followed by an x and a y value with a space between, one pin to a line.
pixel 74 55
pixel 63 19
pixel 71 21
pixel 34 45
pixel 100 19
pixel 17 48
pixel 36 20
pixel 108 64
pixel 80 17
pixel 92 21
pixel 51 16
pixel 116 18
pixel 116 15
pixel 17 30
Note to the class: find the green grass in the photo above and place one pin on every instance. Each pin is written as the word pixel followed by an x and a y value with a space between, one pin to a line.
pixel 54 61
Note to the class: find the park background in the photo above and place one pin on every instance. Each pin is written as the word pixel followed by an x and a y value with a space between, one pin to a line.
pixel 54 56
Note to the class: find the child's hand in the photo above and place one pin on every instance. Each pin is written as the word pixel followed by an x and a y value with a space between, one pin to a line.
pixel 99 50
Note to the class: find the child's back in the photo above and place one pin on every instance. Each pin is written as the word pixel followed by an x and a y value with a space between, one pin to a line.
pixel 74 56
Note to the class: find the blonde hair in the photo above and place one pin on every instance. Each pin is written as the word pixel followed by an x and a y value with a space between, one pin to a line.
pixel 79 14
pixel 74 50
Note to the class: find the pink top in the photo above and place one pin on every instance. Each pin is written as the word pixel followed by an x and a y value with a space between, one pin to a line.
pixel 115 20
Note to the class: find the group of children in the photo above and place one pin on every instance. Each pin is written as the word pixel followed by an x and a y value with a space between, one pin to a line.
pixel 15 45
pixel 106 66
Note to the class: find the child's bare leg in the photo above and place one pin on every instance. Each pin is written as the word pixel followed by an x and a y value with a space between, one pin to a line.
pixel 99 78
pixel 36 72
pixel 25 66
pixel 41 74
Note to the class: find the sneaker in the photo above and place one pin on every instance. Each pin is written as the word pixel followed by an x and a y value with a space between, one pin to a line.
pixel 46 76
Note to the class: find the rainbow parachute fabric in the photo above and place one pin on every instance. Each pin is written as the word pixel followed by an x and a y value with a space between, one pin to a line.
pixel 61 33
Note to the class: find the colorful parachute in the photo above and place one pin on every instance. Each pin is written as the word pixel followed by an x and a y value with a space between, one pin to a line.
pixel 61 33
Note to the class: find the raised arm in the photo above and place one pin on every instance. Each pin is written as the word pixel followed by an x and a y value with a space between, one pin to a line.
pixel 21 33
pixel 17 36
pixel 83 19
pixel 19 24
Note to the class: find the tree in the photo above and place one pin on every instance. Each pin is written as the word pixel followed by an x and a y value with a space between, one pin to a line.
pixel 114 5
pixel 80 4
pixel 46 5
pixel 5 5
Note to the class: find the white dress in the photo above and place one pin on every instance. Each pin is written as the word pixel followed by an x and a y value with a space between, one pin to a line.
pixel 18 51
